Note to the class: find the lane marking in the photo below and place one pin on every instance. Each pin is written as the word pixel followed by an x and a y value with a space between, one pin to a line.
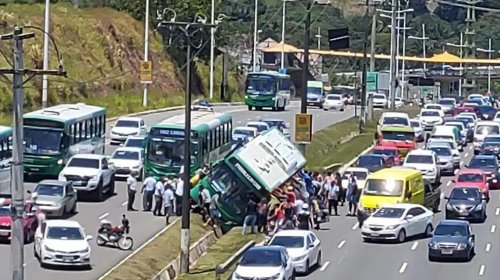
pixel 442 196
pixel 462 163
pixel 466 154
pixel 403 268
pixel 471 147
pixel 103 216
pixel 125 202
pixel 355 226
pixel 448 184
pixel 481 270
pixel 415 245
pixel 497 211
pixel 341 244
pixel 324 266
pixel 488 247
pixel 493 228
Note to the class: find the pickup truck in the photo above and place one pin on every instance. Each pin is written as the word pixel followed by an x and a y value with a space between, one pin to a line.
pixel 91 174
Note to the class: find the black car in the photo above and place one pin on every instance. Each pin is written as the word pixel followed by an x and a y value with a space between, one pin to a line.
pixel 486 112
pixel 452 239
pixel 466 203
pixel 487 163
pixel 374 162
pixel 490 146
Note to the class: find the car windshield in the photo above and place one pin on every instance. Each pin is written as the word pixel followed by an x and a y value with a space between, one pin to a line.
pixel 378 96
pixel 333 97
pixel 472 194
pixel 389 212
pixel 441 151
pixel 42 142
pixel 492 140
pixel 50 190
pixel 127 123
pixel 261 257
pixel 476 101
pixel 398 136
pixel 246 132
pixel 314 91
pixel 383 187
pixel 84 163
pixel 234 197
pixel 419 159
pixel 289 241
pixel 483 163
pixel 430 114
pixel 449 102
pixel 451 230
pixel 370 161
pixel 5 211
pixel 260 127
pixel 360 175
pixel 64 233
pixel 260 85
pixel 415 124
pixel 275 123
pixel 434 107
pixel 134 143
pixel 131 155
pixel 395 120
pixel 385 152
pixel 449 137
pixel 170 151
pixel 473 178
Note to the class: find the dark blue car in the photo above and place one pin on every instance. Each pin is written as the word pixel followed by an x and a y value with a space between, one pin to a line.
pixel 485 112
pixel 374 162
pixel 488 164
pixel 452 239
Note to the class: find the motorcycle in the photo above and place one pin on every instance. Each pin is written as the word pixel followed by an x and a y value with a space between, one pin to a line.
pixel 115 235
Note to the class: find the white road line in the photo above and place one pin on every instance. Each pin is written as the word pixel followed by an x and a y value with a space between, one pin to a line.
pixel 493 228
pixel 448 184
pixel 125 202
pixel 462 163
pixel 466 154
pixel 497 212
pixel 471 147
pixel 442 196
pixel 415 245
pixel 103 216
pixel 355 226
pixel 341 244
pixel 403 267
pixel 488 247
pixel 481 270
pixel 324 266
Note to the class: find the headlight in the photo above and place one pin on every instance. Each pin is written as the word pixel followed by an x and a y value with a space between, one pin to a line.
pixel 86 250
pixel 136 167
pixel 449 207
pixel 393 226
pixel 479 207
pixel 48 249
pixel 95 178
pixel 433 245
pixel 462 246
pixel 62 177
pixel 365 226
pixel 299 258
pixel 60 162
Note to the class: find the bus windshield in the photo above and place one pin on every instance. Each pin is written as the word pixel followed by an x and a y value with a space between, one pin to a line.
pixel 169 151
pixel 398 136
pixel 260 84
pixel 42 142
pixel 233 190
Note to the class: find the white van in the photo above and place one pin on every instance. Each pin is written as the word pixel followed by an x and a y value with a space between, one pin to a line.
pixel 484 128
pixel 394 119
pixel 447 132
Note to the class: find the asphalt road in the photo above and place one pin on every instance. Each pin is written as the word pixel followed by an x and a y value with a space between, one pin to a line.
pixel 143 224
pixel 346 256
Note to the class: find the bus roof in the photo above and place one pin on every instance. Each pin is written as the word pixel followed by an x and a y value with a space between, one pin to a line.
pixel 5 131
pixel 66 112
pixel 392 173
pixel 270 73
pixel 397 128
pixel 200 120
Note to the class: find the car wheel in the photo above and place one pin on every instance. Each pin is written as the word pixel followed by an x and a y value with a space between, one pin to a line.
pixel 73 210
pixel 431 258
pixel 428 230
pixel 111 187
pixel 402 236
pixel 306 271
pixel 318 260
pixel 99 195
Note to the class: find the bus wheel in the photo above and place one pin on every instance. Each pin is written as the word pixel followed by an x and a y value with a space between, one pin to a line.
pixel 249 108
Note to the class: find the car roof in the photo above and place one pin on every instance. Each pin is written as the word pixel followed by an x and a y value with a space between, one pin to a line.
pixel 488 123
pixel 244 128
pixel 89 156
pixel 394 114
pixel 421 152
pixel 402 205
pixel 128 149
pixel 430 110
pixel 271 120
pixel 52 182
pixel 454 223
pixel 470 171
pixel 129 119
pixel 257 123
pixel 293 232
pixel 448 98
pixel 136 137
pixel 267 248
pixel 62 223
pixel 359 169
pixel 438 145
pixel 385 148
pixel 372 155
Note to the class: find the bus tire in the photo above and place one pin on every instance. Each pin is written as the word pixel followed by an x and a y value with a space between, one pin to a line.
pixel 249 108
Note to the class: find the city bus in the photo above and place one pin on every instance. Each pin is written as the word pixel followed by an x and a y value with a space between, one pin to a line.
pixel 253 171
pixel 268 89
pixel 53 135
pixel 5 159
pixel 210 141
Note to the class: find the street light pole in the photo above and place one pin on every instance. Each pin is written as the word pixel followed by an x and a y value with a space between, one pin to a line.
pixel 319 38
pixel 489 51
pixel 254 62
pixel 212 50
pixel 45 81
pixel 305 67
pixel 461 46
pixel 373 40
pixel 393 77
pixel 282 66
pixel 424 40
pixel 146 52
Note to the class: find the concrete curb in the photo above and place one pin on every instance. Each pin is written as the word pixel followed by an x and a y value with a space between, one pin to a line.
pixel 224 267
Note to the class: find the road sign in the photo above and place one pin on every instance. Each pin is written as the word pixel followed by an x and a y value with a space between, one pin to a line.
pixel 303 128
pixel 146 72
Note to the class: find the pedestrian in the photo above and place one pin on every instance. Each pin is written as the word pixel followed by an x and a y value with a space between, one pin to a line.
pixel 40 219
pixel 205 199
pixel 168 202
pixel 250 217
pixel 179 190
pixel 148 188
pixel 131 190
pixel 352 195
pixel 126 224
pixel 304 218
pixel 214 212
pixel 333 198
pixel 159 189
pixel 262 210
pixel 342 191
pixel 317 214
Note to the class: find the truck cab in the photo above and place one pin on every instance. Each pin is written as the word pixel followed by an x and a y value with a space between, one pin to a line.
pixel 315 94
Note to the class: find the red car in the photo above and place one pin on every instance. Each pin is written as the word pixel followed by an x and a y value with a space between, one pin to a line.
pixel 388 152
pixel 473 178
pixel 462 109
pixel 30 221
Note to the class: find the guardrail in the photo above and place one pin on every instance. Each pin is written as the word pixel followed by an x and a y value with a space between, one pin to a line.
pixel 224 267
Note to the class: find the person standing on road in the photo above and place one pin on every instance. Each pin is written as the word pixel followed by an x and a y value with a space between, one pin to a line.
pixel 342 192
pixel 333 197
pixel 251 216
pixel 179 190
pixel 352 195
pixel 262 210
pixel 159 189
pixel 148 188
pixel 131 190
pixel 304 218
pixel 168 202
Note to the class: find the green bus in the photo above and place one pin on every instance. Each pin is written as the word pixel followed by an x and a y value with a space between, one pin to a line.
pixel 5 159
pixel 268 89
pixel 210 141
pixel 53 135
pixel 254 171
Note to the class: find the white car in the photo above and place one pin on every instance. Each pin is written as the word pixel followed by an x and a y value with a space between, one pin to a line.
pixel 244 132
pixel 260 126
pixel 427 162
pixel 448 104
pixel 431 117
pixel 360 173
pixel 483 129
pixel 62 242
pixel 90 173
pixel 334 101
pixel 434 106
pixel 135 142
pixel 399 102
pixel 449 142
pixel 468 115
pixel 497 117
pixel 303 247
pixel 398 222
pixel 379 100
pixel 418 128
pixel 265 262
pixel 125 127
pixel 126 161
pixel 393 119
pixel 475 96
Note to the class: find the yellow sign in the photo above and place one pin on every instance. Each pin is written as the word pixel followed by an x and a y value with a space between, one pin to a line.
pixel 303 128
pixel 146 72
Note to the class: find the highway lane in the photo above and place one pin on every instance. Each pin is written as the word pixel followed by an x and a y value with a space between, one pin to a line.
pixel 346 256
pixel 144 225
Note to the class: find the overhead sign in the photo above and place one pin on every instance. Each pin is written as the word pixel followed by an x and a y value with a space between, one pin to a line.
pixel 146 72
pixel 303 128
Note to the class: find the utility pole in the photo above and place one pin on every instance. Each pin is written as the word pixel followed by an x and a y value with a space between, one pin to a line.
pixel 45 81
pixel 373 40
pixel 305 67
pixel 461 46
pixel 212 50
pixel 489 51
pixel 362 115
pixel 318 36
pixel 146 52
pixel 255 42
pixel 189 30
pixel 424 45
pixel 17 184
pixel 393 73
pixel 283 21
pixel 470 49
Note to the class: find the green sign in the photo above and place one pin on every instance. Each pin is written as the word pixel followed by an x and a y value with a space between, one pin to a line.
pixel 371 81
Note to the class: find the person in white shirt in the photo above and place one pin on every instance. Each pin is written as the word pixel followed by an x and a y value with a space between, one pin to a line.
pixel 131 190
pixel 168 202
pixel 158 198
pixel 148 188
pixel 205 198
pixel 179 189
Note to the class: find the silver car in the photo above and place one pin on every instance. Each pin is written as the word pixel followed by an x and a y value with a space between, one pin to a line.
pixel 55 198
pixel 448 162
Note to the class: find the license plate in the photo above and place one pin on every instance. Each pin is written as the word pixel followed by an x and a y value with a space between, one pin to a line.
pixel 446 252
pixel 77 183
pixel 3 233
pixel 465 213
pixel 67 259
pixel 374 234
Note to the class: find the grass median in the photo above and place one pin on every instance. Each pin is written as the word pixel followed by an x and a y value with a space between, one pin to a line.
pixel 155 256
pixel 218 253
pixel 326 147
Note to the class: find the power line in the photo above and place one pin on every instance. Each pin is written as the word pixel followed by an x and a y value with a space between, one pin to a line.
pixel 484 9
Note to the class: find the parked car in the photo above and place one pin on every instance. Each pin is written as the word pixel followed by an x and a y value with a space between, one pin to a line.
pixel 125 127
pixel 265 262
pixel 55 198
pixel 466 203
pixel 452 240
pixel 30 222
pixel 473 178
pixel 334 101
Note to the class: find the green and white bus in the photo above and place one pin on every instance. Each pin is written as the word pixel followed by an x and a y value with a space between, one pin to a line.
pixel 268 89
pixel 53 135
pixel 254 170
pixel 210 141
pixel 5 158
